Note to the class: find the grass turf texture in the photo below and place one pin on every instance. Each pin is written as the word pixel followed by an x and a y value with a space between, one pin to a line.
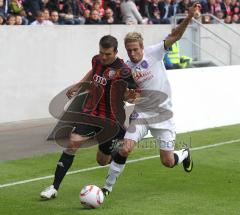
pixel 145 187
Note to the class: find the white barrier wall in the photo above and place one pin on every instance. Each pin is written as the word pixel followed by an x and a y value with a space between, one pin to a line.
pixel 37 63
pixel 205 97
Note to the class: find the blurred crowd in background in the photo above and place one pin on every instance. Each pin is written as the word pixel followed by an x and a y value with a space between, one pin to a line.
pixel 78 12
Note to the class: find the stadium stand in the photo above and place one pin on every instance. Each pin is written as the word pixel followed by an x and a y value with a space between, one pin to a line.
pixel 76 12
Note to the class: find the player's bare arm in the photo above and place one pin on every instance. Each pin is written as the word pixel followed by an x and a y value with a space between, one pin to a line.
pixel 177 32
pixel 72 91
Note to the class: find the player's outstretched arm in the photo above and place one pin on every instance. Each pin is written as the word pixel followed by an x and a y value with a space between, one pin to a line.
pixel 72 91
pixel 177 32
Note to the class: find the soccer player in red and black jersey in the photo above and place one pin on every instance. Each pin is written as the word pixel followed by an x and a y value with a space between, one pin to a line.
pixel 109 84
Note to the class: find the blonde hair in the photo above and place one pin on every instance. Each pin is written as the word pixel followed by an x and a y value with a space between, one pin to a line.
pixel 133 37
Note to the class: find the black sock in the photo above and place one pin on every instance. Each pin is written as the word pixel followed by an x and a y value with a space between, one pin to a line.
pixel 119 159
pixel 63 166
pixel 175 159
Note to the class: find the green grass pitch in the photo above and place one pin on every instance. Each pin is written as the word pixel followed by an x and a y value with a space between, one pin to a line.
pixel 146 187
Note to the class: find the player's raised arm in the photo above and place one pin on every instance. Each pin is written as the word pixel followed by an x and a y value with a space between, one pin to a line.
pixel 177 32
pixel 71 92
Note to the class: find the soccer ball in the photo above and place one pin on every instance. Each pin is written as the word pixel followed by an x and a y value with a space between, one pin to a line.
pixel 91 196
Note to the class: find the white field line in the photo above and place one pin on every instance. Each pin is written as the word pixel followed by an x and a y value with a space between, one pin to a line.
pixel 100 167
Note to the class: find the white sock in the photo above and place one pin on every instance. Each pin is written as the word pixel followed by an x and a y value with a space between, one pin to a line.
pixel 182 154
pixel 114 171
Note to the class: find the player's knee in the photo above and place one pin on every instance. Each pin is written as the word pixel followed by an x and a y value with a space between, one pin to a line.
pixel 167 162
pixel 74 143
pixel 76 138
pixel 127 148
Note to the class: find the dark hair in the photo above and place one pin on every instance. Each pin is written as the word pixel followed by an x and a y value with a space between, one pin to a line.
pixel 108 41
pixel 39 13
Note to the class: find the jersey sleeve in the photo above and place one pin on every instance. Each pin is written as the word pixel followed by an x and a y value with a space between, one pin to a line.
pixel 157 51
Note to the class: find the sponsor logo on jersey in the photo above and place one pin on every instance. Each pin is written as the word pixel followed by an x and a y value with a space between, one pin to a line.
pixel 144 64
pixel 137 75
pixel 99 80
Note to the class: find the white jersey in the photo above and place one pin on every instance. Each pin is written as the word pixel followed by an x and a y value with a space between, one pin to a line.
pixel 150 75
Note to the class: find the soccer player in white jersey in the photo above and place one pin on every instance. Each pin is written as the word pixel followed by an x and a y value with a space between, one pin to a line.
pixel 153 110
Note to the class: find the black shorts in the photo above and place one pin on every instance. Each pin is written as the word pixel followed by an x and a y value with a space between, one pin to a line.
pixel 91 131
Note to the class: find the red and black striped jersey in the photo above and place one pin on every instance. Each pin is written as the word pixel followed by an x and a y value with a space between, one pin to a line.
pixel 106 93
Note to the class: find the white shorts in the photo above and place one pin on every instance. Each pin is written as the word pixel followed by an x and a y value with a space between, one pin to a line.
pixel 164 133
